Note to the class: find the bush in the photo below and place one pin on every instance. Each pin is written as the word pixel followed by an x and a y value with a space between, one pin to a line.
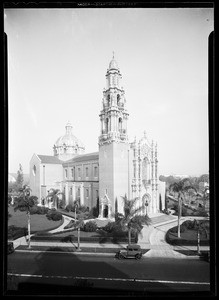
pixel 15 232
pixel 42 210
pixel 34 199
pixel 118 217
pixel 93 213
pixel 61 204
pixel 188 224
pixel 90 226
pixel 69 208
pixel 54 215
pixel 175 229
pixel 83 208
pixel 33 210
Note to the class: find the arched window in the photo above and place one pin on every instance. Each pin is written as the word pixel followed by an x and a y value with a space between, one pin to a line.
pixel 108 100
pixel 107 125
pixel 118 99
pixel 120 124
pixel 34 170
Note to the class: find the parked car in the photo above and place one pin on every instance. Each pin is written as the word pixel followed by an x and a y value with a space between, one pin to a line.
pixel 131 251
pixel 10 247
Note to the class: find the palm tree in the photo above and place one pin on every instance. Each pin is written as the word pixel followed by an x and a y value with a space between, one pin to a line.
pixel 181 188
pixel 53 196
pixel 131 220
pixel 204 196
pixel 24 202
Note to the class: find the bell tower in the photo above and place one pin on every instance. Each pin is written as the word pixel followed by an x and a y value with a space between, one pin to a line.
pixel 113 143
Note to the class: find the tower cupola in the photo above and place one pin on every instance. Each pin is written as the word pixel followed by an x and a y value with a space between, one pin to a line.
pixel 113 115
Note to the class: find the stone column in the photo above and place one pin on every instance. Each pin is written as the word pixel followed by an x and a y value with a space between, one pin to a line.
pixel 82 193
pixel 109 210
pixel 73 192
pixel 90 198
pixel 66 193
pixel 101 209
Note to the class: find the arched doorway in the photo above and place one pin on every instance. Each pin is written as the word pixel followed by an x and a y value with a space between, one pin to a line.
pixel 105 211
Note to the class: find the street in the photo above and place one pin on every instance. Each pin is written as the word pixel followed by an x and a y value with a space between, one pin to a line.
pixel 45 271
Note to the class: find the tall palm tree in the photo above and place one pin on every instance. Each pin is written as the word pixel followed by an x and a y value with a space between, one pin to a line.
pixel 24 202
pixel 181 188
pixel 53 196
pixel 131 220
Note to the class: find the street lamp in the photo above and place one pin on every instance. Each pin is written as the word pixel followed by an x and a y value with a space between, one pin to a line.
pixel 146 205
pixel 198 237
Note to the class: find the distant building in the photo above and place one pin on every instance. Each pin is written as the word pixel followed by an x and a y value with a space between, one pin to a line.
pixel 11 178
pixel 119 168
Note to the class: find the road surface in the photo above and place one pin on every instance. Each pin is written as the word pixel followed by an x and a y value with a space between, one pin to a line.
pixel 61 272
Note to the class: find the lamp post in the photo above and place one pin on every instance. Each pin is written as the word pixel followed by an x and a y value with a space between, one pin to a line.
pixel 146 205
pixel 198 238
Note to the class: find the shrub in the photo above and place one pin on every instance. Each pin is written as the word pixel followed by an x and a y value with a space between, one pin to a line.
pixel 34 199
pixel 83 208
pixel 69 208
pixel 33 210
pixel 42 210
pixel 188 224
pixel 93 213
pixel 15 232
pixel 118 217
pixel 175 229
pixel 109 227
pixel 90 226
pixel 61 204
pixel 54 215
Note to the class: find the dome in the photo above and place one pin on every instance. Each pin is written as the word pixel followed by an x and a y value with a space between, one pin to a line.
pixel 68 139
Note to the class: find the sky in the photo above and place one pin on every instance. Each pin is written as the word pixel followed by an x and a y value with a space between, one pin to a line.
pixel 57 62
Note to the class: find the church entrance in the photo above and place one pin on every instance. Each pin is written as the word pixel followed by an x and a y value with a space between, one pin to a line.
pixel 105 211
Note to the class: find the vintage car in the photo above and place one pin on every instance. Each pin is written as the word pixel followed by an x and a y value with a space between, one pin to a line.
pixel 131 251
pixel 10 247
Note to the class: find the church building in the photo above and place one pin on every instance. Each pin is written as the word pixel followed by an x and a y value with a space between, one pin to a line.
pixel 102 178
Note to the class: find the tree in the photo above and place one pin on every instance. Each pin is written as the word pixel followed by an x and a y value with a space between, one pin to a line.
pixel 181 188
pixel 25 202
pixel 204 196
pixel 130 219
pixel 53 196
pixel 20 177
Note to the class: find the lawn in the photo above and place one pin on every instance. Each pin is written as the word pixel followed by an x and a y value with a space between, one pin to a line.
pixel 188 237
pixel 38 222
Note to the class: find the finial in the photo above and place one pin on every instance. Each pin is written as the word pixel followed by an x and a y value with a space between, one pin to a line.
pixel 113 54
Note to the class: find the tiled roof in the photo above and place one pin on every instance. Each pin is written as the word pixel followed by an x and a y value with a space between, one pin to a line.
pixel 49 159
pixel 84 157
